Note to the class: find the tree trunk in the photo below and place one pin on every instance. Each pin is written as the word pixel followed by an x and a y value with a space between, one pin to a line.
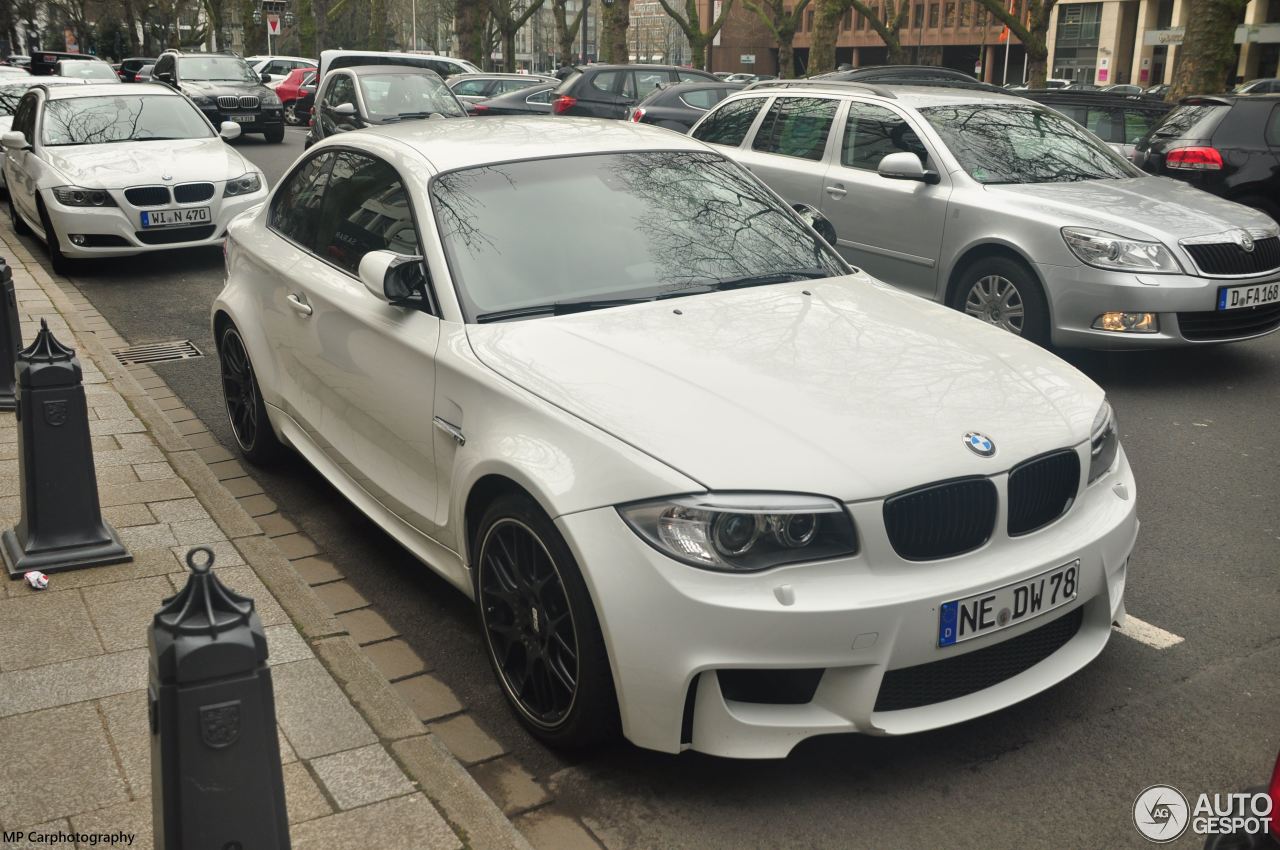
pixel 897 53
pixel 822 53
pixel 509 50
pixel 565 35
pixel 786 64
pixel 617 18
pixel 697 52
pixel 1207 57
pixel 377 25
pixel 471 22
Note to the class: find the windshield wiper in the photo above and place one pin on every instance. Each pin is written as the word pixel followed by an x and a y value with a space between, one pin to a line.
pixel 771 277
pixel 581 305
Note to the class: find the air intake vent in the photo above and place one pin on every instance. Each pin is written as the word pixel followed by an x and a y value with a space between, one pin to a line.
pixel 158 352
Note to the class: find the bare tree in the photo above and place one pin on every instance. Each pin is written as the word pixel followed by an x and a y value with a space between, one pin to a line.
pixel 472 23
pixel 617 19
pixel 887 25
pixel 566 31
pixel 508 18
pixel 1207 57
pixel 783 26
pixel 1029 21
pixel 691 24
pixel 822 50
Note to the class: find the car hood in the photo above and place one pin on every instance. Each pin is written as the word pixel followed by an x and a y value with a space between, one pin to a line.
pixel 124 164
pixel 212 88
pixel 1154 207
pixel 854 391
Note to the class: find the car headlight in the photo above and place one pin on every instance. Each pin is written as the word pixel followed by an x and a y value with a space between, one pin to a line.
pixel 270 100
pixel 736 532
pixel 75 196
pixel 1107 251
pixel 1104 442
pixel 202 101
pixel 245 184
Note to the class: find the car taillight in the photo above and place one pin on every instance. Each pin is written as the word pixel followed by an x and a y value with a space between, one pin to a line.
pixel 479 107
pixel 637 115
pixel 1273 791
pixel 563 104
pixel 1194 159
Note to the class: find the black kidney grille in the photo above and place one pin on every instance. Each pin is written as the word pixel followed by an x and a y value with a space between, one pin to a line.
pixel 1230 324
pixel 1228 258
pixel 186 193
pixel 952 678
pixel 1041 490
pixel 147 196
pixel 941 520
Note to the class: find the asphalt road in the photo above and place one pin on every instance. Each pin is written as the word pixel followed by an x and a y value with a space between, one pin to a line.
pixel 1060 770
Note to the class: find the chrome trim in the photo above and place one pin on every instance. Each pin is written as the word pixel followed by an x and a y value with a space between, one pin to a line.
pixel 1224 238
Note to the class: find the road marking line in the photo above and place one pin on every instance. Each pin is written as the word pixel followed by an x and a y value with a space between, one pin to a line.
pixel 1144 632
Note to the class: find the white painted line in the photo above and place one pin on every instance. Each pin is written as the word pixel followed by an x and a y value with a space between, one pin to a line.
pixel 1152 636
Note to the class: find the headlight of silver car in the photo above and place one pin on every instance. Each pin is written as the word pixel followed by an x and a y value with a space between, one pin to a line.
pixel 1104 442
pixel 246 184
pixel 74 196
pixel 741 532
pixel 1107 251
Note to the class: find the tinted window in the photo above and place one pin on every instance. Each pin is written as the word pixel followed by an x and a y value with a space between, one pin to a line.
pixel 295 209
pixel 648 81
pixel 872 132
pixel 729 124
pixel 365 208
pixel 163 65
pixel 606 81
pixel 686 77
pixel 392 96
pixel 471 87
pixel 216 68
pixel 1192 121
pixel 123 118
pixel 541 97
pixel 796 126
pixel 505 86
pixel 1137 125
pixel 702 98
pixel 644 224
pixel 340 91
pixel 24 117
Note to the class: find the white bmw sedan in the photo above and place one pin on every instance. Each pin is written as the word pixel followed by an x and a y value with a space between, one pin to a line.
pixel 106 170
pixel 704 481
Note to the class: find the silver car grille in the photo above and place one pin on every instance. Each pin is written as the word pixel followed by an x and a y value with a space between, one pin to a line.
pixel 231 101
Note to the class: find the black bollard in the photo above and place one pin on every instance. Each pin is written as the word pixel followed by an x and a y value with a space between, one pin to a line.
pixel 61 526
pixel 10 337
pixel 216 781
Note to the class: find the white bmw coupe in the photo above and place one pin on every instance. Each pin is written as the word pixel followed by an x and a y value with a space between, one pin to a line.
pixel 110 170
pixel 705 482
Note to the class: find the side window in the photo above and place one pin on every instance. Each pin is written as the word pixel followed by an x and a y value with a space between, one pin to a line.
pixel 685 77
pixel 24 119
pixel 729 124
pixel 1273 127
pixel 340 90
pixel 797 126
pixel 505 86
pixel 647 82
pixel 872 132
pixel 163 64
pixel 444 69
pixel 1137 125
pixel 701 98
pixel 541 97
pixel 606 81
pixel 365 208
pixel 471 87
pixel 295 209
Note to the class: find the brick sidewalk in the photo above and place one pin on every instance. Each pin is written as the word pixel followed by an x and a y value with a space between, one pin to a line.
pixel 360 768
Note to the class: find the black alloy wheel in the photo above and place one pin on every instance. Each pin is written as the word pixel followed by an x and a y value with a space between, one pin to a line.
pixel 243 400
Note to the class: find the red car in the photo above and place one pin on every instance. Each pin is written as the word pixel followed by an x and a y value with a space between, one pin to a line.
pixel 289 90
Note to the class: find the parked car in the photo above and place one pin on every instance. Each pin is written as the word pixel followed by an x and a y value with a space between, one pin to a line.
pixel 1119 120
pixel 290 89
pixel 749 78
pixel 999 207
pixel 98 171
pixel 631 567
pixel 609 91
pixel 1158 90
pixel 900 74
pixel 8 71
pixel 303 105
pixel 11 91
pixel 357 97
pixel 473 88
pixel 273 69
pixel 1265 86
pixel 535 100
pixel 1225 144
pixel 92 69
pixel 443 66
pixel 1122 89
pixel 144 74
pixel 225 89
pixel 130 67
pixel 678 107
pixel 44 63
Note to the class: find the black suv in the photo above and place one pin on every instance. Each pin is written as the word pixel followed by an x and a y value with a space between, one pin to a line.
pixel 680 106
pixel 130 67
pixel 1225 144
pixel 225 89
pixel 609 91
pixel 1120 120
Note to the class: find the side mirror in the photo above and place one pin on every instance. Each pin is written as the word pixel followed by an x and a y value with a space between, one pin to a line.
pixel 818 222
pixel 905 166
pixel 14 141
pixel 266 78
pixel 345 109
pixel 391 277
pixel 229 130
pixel 164 77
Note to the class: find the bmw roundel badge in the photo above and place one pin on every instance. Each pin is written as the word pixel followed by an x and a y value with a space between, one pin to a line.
pixel 979 444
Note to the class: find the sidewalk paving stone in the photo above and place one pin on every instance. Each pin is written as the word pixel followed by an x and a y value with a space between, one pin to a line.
pixel 510 785
pixel 547 830
pixel 134 817
pixel 314 570
pixel 41 630
pixel 242 487
pixel 121 611
pixel 68 682
pixel 395 659
pixel 340 596
pixel 303 797
pixel 39 830
pixel 466 740
pixel 295 546
pixel 130 734
pixel 429 697
pixel 366 626
pixel 275 525
pixel 404 823
pixel 314 712
pixel 359 777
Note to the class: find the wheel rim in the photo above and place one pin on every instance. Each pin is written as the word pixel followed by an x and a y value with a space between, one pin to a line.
pixel 528 624
pixel 290 114
pixel 995 300
pixel 239 390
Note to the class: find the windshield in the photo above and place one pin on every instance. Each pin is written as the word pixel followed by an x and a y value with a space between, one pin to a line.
pixel 616 226
pixel 127 118
pixel 226 69
pixel 396 96
pixel 1023 144
pixel 86 70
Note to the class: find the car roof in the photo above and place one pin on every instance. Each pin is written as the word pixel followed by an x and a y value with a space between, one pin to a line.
pixel 640 66
pixel 110 89
pixel 381 69
pixel 449 144
pixel 914 95
pixel 500 75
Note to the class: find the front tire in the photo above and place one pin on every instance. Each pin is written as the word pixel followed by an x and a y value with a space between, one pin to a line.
pixel 1003 292
pixel 540 628
pixel 291 114
pixel 59 261
pixel 242 399
pixel 274 137
pixel 19 225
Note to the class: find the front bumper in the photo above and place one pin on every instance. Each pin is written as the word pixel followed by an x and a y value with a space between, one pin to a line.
pixel 265 119
pixel 669 627
pixel 117 231
pixel 1079 294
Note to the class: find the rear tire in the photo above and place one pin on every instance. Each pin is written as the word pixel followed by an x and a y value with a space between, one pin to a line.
pixel 59 261
pixel 291 114
pixel 540 627
pixel 274 137
pixel 1002 292
pixel 19 225
pixel 242 399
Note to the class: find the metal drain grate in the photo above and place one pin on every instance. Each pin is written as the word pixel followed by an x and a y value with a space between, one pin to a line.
pixel 158 352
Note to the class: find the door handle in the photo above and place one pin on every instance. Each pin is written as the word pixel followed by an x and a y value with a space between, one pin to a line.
pixel 837 191
pixel 299 304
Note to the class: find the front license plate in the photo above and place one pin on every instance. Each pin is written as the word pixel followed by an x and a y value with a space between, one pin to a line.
pixel 175 218
pixel 1236 297
pixel 984 613
pixel 243 119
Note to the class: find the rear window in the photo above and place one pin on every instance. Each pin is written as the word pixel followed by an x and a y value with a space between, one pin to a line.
pixel 729 124
pixel 606 81
pixel 1192 121
pixel 702 98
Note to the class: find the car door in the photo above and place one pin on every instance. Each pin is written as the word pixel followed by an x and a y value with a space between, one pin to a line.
pixel 891 228
pixel 640 84
pixel 789 147
pixel 339 90
pixel 366 368
pixel 602 94
pixel 23 167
